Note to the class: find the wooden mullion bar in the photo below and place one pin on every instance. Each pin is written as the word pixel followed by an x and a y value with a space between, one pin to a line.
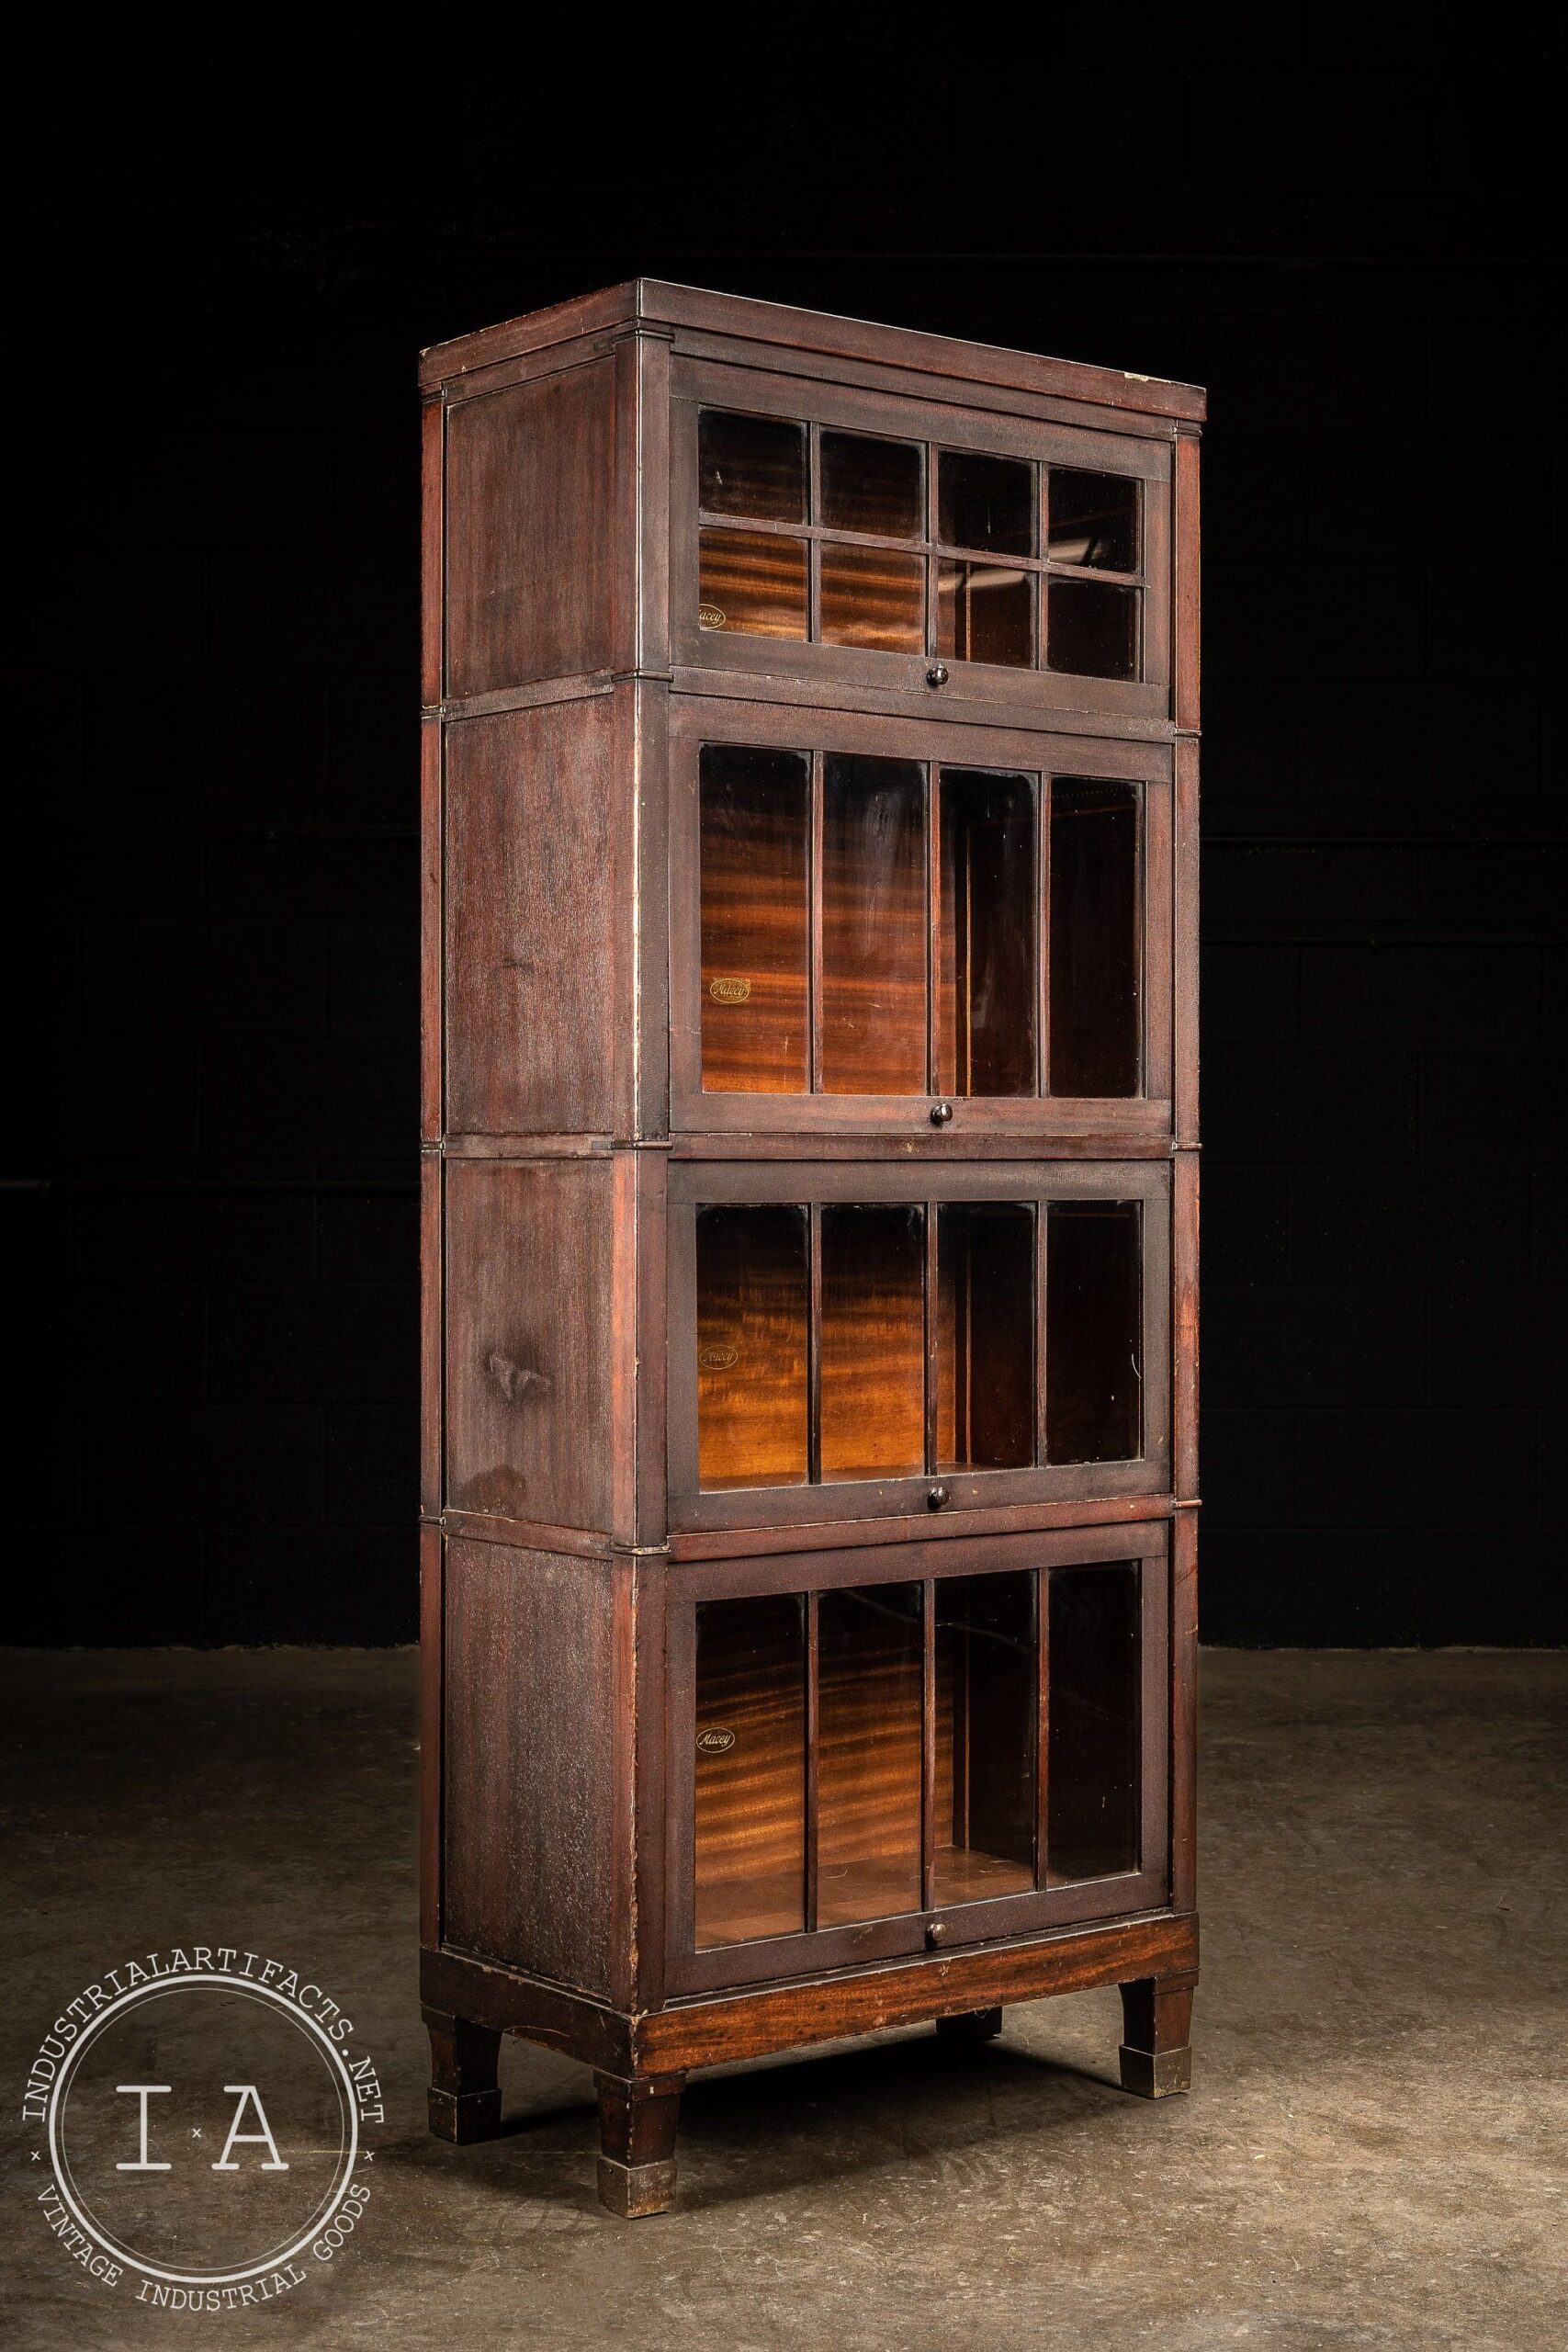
pixel 1041 1224
pixel 814 1344
pixel 814 549
pixel 1042 936
pixel 933 929
pixel 932 1335
pixel 814 921
pixel 813 1738
pixel 1041 1723
pixel 928 1743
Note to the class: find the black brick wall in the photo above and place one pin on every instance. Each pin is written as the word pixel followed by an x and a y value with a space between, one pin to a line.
pixel 212 694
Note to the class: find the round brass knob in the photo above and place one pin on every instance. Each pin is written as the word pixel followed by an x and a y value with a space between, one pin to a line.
pixel 940 1113
pixel 935 1498
pixel 937 674
pixel 936 1933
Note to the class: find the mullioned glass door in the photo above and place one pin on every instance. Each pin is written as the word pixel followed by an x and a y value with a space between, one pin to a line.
pixel 854 1340
pixel 822 532
pixel 875 1752
pixel 954 932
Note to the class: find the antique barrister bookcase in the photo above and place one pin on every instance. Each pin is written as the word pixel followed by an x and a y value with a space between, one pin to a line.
pixel 809 1196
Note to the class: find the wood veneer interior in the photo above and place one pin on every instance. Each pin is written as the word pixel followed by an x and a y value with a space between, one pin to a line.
pixel 755 852
pixel 752 1361
pixel 873 927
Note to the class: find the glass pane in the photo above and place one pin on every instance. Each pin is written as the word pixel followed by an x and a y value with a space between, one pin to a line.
pixel 986 1717
pixel 1094 1381
pixel 1092 518
pixel 756 812
pixel 985 502
pixel 751 465
pixel 1095 935
pixel 1092 1739
pixel 868 1771
pixel 751 1286
pixel 984 614
pixel 871 486
pixel 749 1862
pixel 873 927
pixel 984 1394
pixel 751 582
pixel 1091 629
pixel 985 934
pixel 872 1343
pixel 871 596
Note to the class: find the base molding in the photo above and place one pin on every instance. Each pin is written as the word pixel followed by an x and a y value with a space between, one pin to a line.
pixel 717 2029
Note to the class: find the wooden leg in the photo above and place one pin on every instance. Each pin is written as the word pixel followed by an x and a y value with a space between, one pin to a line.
pixel 1157 2023
pixel 465 2089
pixel 636 2142
pixel 971 2025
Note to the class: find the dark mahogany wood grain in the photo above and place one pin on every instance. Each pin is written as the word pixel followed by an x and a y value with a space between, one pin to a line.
pixel 532 550
pixel 537 979
pixel 533 1759
pixel 531 1428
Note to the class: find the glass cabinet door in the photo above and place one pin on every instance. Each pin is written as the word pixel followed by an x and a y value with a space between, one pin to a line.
pixel 865 939
pixel 883 541
pixel 980 1742
pixel 842 1344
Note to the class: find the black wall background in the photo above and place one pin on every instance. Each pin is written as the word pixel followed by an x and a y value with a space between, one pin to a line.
pixel 219 283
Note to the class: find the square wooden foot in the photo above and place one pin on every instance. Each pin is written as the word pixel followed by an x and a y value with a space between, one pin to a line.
pixel 465 2086
pixel 1157 2055
pixel 970 2025
pixel 638 2122
pixel 633 2190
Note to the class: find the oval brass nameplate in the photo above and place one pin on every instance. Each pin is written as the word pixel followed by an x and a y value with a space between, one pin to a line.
pixel 709 616
pixel 729 991
pixel 716 1358
pixel 714 1742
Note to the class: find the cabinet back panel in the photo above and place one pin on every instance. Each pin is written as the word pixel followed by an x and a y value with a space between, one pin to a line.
pixel 529 1761
pixel 531 543
pixel 532 802
pixel 529 1421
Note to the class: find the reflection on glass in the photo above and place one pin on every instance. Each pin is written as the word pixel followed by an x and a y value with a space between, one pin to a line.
pixel 1094 935
pixel 1092 1716
pixel 868 1785
pixel 872 1343
pixel 751 1393
pixel 1092 518
pixel 984 613
pixel 873 927
pixel 986 1717
pixel 871 596
pixel 1091 629
pixel 1093 1331
pixel 751 582
pixel 984 1395
pixel 755 815
pixel 751 465
pixel 871 486
pixel 985 934
pixel 985 502
pixel 750 1776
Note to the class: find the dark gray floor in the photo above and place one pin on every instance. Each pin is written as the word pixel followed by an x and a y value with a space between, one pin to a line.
pixel 1372 2154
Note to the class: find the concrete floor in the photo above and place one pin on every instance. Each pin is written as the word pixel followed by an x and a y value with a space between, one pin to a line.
pixel 1372 2154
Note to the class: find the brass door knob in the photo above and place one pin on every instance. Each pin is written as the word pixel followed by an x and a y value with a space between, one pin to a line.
pixel 937 674
pixel 940 1113
pixel 935 1498
pixel 936 1933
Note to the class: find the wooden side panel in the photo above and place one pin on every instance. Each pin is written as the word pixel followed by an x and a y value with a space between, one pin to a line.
pixel 1184 1326
pixel 530 1362
pixel 539 829
pixel 531 541
pixel 530 1762
pixel 1184 1710
pixel 431 1570
pixel 1187 672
